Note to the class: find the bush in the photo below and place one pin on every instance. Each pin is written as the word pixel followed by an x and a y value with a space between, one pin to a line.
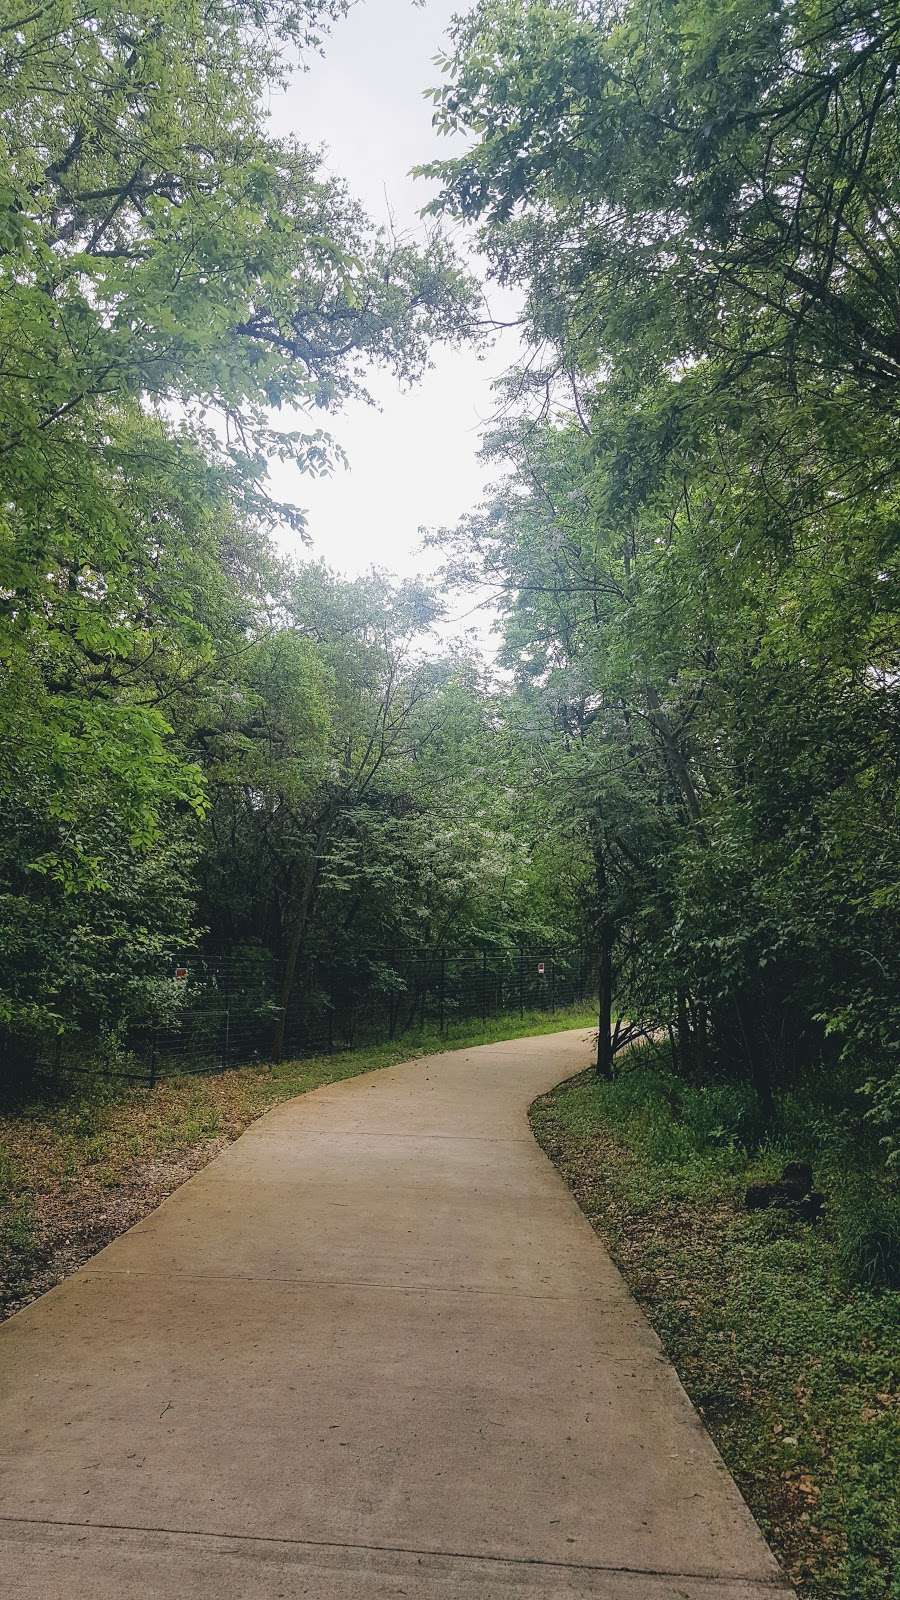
pixel 867 1227
pixel 676 1120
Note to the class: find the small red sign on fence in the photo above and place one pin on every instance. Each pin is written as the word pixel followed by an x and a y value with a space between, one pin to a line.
pixel 181 973
pixel 541 968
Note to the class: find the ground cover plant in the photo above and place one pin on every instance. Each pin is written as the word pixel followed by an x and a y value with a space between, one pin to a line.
pixel 785 1334
pixel 83 1159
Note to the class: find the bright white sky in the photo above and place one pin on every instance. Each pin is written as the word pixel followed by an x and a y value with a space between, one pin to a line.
pixel 413 462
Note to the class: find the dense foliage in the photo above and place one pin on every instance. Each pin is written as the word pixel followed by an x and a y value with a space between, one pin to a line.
pixel 694 541
pixel 200 744
pixel 694 759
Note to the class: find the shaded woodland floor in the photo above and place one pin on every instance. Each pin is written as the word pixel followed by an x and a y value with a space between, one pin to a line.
pixel 784 1334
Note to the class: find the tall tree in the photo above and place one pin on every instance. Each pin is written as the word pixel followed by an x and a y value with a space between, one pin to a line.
pixel 699 204
pixel 170 275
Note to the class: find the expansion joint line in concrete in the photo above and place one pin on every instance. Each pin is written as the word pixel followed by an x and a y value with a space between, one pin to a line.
pixel 384 1133
pixel 769 1586
pixel 345 1283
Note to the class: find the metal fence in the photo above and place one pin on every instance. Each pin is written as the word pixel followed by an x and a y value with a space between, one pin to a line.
pixel 210 1015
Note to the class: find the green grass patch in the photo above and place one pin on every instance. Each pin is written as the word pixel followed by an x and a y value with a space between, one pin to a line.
pixel 85 1157
pixel 785 1334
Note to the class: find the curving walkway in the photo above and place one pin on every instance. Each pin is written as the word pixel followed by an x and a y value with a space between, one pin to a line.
pixel 373 1350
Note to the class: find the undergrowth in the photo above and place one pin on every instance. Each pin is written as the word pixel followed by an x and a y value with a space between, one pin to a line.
pixel 784 1333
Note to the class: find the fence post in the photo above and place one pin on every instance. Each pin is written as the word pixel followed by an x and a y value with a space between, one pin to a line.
pixel 153 1050
pixel 521 984
pixel 552 983
pixel 443 989
pixel 227 1045
pixel 484 988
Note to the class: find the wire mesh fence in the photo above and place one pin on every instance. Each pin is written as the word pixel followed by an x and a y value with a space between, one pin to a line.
pixel 210 1015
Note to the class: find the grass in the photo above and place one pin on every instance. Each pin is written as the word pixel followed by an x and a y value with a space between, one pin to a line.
pixel 83 1159
pixel 784 1334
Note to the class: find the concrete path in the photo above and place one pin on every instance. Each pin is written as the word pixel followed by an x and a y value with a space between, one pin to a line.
pixel 373 1350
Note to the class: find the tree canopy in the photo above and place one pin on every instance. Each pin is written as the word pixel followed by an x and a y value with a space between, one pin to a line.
pixel 690 756
pixel 694 542
pixel 171 276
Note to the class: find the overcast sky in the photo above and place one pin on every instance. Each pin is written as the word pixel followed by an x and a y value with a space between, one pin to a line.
pixel 413 462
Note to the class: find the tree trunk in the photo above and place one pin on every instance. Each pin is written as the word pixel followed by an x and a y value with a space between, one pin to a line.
pixel 757 1061
pixel 685 1053
pixel 296 939
pixel 675 758
pixel 605 1005
pixel 605 974
pixel 289 977
pixel 699 1021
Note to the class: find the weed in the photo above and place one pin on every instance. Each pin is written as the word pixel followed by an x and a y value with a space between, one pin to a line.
pixel 20 1250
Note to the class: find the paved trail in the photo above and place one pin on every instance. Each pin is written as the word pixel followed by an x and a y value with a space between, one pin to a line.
pixel 373 1350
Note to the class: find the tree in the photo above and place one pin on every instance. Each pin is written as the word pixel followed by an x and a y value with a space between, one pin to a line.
pixel 691 178
pixel 699 531
pixel 170 274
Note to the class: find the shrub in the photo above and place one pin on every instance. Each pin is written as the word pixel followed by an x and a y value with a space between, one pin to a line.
pixel 867 1225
